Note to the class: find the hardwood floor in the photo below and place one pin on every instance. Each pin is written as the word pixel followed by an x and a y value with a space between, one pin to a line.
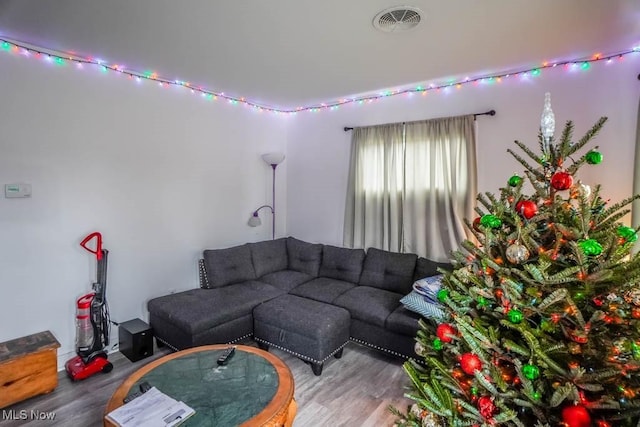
pixel 352 391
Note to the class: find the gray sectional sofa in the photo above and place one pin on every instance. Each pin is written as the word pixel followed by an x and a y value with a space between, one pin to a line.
pixel 268 275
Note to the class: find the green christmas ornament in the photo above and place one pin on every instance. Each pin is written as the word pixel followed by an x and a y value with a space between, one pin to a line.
pixel 515 316
pixel 627 233
pixel 531 372
pixel 490 221
pixel 442 295
pixel 590 247
pixel 437 344
pixel 514 181
pixel 593 157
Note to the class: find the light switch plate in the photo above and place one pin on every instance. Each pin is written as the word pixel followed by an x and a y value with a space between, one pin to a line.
pixel 15 191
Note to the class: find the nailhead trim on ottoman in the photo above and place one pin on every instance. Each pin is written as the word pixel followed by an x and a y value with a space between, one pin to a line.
pixel 308 329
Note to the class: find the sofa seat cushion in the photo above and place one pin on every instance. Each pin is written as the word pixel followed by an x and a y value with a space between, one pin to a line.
pixel 403 321
pixel 303 256
pixel 286 279
pixel 341 263
pixel 269 256
pixel 197 310
pixel 228 266
pixel 322 289
pixel 388 270
pixel 371 305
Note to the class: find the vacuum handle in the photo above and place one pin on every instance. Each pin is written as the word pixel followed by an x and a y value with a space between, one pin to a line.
pixel 98 250
pixel 101 274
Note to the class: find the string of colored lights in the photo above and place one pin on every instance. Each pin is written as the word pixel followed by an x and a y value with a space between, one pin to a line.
pixel 62 58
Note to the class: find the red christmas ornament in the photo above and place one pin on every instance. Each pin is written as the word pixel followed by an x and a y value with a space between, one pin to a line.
pixel 476 225
pixel 470 363
pixel 526 208
pixel 486 406
pixel 445 332
pixel 561 181
pixel 576 416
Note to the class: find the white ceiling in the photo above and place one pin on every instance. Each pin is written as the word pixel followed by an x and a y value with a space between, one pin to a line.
pixel 288 53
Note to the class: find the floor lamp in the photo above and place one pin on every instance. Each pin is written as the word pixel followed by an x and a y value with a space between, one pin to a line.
pixel 272 159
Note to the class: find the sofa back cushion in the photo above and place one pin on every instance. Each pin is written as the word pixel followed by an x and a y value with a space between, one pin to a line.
pixel 427 268
pixel 341 263
pixel 303 256
pixel 228 266
pixel 391 271
pixel 269 256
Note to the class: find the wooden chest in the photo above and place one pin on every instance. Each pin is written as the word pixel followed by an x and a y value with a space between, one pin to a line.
pixel 28 367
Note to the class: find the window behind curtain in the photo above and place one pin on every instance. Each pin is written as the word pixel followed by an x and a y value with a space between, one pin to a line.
pixel 411 186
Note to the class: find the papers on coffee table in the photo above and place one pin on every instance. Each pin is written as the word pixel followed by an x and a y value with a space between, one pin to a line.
pixel 152 409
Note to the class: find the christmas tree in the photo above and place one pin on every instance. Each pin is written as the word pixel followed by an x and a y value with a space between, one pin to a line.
pixel 542 322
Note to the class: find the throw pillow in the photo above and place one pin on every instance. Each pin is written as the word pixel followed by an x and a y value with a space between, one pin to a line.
pixel 418 304
pixel 428 287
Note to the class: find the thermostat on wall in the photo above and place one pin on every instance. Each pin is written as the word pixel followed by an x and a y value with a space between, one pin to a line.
pixel 12 191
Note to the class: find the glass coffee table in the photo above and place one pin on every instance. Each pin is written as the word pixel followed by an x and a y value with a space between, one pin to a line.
pixel 254 388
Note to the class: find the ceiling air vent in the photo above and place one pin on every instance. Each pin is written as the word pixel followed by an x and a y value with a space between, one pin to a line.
pixel 398 19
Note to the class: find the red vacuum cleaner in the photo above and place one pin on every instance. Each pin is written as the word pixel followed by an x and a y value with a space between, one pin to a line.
pixel 92 321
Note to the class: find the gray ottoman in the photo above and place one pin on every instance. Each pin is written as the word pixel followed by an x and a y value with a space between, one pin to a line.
pixel 311 330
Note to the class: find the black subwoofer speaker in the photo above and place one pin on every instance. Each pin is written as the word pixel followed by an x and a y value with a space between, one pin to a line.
pixel 135 339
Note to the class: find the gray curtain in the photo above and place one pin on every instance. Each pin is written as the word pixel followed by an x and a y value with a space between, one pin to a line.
pixel 374 192
pixel 411 186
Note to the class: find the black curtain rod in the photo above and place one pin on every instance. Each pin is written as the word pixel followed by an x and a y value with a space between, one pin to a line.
pixel 486 113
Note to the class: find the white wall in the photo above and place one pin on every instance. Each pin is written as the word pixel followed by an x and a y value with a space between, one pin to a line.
pixel 319 149
pixel 161 173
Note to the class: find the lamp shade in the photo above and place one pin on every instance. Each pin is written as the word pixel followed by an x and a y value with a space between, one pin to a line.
pixel 273 158
pixel 254 221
